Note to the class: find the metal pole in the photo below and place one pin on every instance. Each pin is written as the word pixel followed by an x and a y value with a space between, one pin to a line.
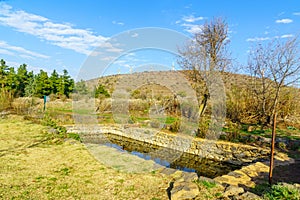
pixel 272 149
pixel 45 102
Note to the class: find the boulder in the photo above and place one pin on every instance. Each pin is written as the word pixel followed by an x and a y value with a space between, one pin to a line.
pixel 233 191
pixel 184 191
pixel 248 196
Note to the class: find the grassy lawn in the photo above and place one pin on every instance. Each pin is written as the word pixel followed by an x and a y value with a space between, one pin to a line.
pixel 36 164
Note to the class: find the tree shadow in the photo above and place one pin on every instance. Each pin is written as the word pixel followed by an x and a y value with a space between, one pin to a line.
pixel 169 189
pixel 283 173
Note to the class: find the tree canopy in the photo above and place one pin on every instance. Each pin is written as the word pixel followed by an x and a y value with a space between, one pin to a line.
pixel 20 82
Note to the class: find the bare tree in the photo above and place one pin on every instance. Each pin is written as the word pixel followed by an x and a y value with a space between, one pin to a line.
pixel 275 65
pixel 261 84
pixel 206 53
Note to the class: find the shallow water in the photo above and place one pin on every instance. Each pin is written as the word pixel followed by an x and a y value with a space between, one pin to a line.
pixel 166 157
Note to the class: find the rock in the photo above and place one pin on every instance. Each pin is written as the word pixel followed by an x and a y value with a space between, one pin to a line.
pixel 233 191
pixel 248 196
pixel 190 176
pixel 177 175
pixel 203 178
pixel 184 191
pixel 235 174
pixel 168 171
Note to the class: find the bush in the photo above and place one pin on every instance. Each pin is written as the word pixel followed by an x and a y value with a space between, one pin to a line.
pixel 61 131
pixel 101 91
pixel 233 133
pixel 282 191
pixel 6 98
pixel 175 126
pixel 203 128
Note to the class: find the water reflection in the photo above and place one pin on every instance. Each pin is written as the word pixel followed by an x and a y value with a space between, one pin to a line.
pixel 187 162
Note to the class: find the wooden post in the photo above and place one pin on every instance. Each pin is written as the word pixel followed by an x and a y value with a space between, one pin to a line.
pixel 272 149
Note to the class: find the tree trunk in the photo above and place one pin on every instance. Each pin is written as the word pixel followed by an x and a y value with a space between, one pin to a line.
pixel 272 149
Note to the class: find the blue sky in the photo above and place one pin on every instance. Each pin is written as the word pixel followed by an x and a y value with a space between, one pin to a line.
pixel 64 34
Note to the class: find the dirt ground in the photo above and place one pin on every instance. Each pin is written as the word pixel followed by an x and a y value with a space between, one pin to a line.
pixel 289 173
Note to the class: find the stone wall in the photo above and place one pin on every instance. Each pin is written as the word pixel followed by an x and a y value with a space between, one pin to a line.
pixel 212 149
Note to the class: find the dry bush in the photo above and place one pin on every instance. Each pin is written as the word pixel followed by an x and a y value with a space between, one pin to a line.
pixel 25 105
pixel 104 105
pixel 6 98
pixel 139 105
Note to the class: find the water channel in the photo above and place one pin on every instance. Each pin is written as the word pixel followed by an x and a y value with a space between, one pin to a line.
pixel 186 162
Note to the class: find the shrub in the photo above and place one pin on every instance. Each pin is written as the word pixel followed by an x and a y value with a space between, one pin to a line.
pixel 61 131
pixel 282 191
pixel 6 98
pixel 175 126
pixel 101 91
pixel 203 128
pixel 131 120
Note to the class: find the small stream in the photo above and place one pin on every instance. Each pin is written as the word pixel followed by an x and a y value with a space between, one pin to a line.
pixel 186 162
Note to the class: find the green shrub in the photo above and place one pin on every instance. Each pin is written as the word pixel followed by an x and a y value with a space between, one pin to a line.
pixel 203 128
pixel 175 126
pixel 131 120
pixel 101 91
pixel 62 131
pixel 282 192
pixel 207 184
pixel 74 136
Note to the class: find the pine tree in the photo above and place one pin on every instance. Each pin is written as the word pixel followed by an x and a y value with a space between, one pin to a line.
pixel 3 73
pixel 21 80
pixel 54 79
pixel 11 80
pixel 43 84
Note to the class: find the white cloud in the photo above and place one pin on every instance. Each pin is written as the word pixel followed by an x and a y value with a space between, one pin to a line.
pixel 188 22
pixel 62 35
pixel 191 18
pixel 287 36
pixel 296 13
pixel 284 21
pixel 118 23
pixel 15 50
pixel 29 67
pixel 6 52
pixel 192 28
pixel 26 56
pixel 257 39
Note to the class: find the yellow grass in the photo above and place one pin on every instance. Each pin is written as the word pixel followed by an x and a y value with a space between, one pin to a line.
pixel 34 166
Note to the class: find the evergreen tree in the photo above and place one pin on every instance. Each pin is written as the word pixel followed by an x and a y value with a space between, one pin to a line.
pixel 43 84
pixel 81 88
pixel 3 73
pixel 65 84
pixel 22 80
pixel 31 85
pixel 54 79
pixel 11 80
